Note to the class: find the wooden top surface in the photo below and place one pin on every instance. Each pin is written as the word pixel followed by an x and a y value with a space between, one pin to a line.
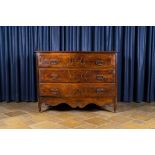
pixel 76 52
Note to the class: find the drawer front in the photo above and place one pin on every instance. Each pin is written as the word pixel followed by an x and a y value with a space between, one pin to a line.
pixel 76 75
pixel 76 60
pixel 77 90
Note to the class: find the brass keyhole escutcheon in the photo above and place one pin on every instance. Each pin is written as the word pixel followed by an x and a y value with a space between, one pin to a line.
pixel 100 77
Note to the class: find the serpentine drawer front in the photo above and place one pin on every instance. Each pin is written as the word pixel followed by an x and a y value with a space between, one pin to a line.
pixel 76 78
pixel 76 75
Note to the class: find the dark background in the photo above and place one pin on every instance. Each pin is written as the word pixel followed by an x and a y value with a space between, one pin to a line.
pixel 135 47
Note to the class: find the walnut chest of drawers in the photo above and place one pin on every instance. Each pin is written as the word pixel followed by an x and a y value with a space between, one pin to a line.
pixel 76 78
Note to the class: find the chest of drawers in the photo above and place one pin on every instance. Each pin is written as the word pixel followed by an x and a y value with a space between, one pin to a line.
pixel 76 78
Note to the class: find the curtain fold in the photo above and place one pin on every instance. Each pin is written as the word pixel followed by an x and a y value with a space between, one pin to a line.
pixel 129 62
pixel 135 47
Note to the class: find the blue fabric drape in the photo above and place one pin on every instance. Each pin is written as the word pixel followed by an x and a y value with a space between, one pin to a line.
pixel 135 47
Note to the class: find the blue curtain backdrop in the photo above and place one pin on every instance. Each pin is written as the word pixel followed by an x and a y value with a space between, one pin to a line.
pixel 135 47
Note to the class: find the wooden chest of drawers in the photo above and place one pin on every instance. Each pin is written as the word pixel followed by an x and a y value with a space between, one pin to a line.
pixel 76 78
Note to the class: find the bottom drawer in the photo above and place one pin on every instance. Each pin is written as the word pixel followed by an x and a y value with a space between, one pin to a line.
pixel 77 102
pixel 77 90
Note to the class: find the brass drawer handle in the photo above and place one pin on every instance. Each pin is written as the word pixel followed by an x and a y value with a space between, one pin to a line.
pixel 54 61
pixel 100 77
pixel 100 90
pixel 47 61
pixel 99 62
pixel 54 91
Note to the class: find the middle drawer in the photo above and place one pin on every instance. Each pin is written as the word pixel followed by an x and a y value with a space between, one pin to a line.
pixel 76 75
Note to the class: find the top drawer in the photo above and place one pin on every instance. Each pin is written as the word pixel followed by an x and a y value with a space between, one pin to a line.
pixel 91 60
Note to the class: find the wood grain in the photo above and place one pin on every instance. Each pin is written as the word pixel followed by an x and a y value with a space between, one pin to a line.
pixel 77 102
pixel 76 78
pixel 76 75
pixel 77 60
pixel 77 90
